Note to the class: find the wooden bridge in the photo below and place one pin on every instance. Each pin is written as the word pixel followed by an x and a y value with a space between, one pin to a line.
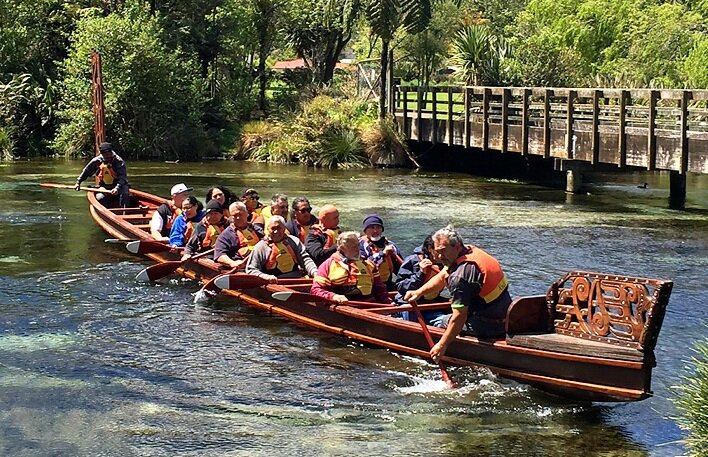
pixel 638 128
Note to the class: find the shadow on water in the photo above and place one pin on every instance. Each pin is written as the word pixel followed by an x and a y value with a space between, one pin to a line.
pixel 93 363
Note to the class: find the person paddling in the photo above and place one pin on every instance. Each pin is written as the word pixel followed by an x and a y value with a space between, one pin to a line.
pixel 322 239
pixel 112 174
pixel 165 215
pixel 183 228
pixel 235 244
pixel 302 218
pixel 382 252
pixel 207 231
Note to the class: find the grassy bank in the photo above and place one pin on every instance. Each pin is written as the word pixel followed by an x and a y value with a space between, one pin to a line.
pixel 693 402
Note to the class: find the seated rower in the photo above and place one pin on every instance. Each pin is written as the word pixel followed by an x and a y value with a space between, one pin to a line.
pixel 416 270
pixel 280 255
pixel 479 289
pixel 301 219
pixel 345 276
pixel 183 227
pixel 322 239
pixel 165 215
pixel 221 194
pixel 381 251
pixel 278 207
pixel 207 231
pixel 236 242
pixel 250 198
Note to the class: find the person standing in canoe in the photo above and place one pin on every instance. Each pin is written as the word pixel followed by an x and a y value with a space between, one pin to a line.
pixel 235 244
pixel 321 242
pixel 183 228
pixel 207 231
pixel 280 255
pixel 301 219
pixel 479 289
pixel 165 215
pixel 112 174
pixel 346 276
pixel 381 251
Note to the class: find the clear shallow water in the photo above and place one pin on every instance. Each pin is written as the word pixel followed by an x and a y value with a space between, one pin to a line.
pixel 93 363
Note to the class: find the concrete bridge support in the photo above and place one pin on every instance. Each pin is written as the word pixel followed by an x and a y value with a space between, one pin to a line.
pixel 574 170
pixel 677 190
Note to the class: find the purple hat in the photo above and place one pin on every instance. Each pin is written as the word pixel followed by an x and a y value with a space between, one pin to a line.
pixel 372 219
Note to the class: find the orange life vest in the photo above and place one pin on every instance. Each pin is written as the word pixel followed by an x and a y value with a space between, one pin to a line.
pixel 282 258
pixel 212 233
pixel 433 293
pixel 349 277
pixel 331 234
pixel 176 212
pixel 247 240
pixel 495 281
pixel 106 175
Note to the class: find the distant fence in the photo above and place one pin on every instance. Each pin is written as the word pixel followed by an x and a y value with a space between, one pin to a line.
pixel 652 129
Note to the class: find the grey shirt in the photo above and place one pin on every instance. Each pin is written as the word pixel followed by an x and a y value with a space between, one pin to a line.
pixel 261 253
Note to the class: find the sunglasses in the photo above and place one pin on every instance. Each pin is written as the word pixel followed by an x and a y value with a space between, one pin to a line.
pixel 304 210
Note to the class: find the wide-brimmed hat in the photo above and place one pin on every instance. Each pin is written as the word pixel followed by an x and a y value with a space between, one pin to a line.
pixel 179 188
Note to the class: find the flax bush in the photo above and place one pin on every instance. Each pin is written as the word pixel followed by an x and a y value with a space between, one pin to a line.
pixel 693 402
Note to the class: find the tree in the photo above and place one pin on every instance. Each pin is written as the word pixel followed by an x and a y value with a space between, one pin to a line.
pixel 385 17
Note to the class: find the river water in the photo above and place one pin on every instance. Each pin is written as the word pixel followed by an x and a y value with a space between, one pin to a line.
pixel 93 363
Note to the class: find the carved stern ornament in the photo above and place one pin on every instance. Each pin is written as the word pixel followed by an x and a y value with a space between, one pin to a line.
pixel 621 310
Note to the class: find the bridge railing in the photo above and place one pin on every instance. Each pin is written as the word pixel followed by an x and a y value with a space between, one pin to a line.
pixel 654 129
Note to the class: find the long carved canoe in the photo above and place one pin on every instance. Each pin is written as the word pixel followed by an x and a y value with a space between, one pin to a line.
pixel 590 337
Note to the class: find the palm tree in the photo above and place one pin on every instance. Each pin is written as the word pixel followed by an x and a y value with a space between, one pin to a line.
pixel 385 18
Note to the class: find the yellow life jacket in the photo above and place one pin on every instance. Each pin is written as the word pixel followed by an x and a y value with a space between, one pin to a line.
pixel 212 233
pixel 106 175
pixel 282 258
pixel 331 234
pixel 432 272
pixel 247 240
pixel 386 267
pixel 349 277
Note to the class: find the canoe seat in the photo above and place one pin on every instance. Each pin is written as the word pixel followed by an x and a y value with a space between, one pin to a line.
pixel 572 345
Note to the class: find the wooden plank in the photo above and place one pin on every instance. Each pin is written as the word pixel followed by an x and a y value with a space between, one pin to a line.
pixel 485 118
pixel 595 127
pixel 419 114
pixel 525 122
pixel 450 136
pixel 434 92
pixel 569 131
pixel 622 140
pixel 651 130
pixel 547 123
pixel 685 99
pixel 506 94
pixel 572 345
pixel 468 106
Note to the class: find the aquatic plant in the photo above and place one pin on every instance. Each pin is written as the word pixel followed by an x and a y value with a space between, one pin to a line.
pixel 693 401
pixel 384 144
pixel 341 148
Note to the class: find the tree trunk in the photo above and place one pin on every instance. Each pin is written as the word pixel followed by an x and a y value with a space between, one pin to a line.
pixel 384 70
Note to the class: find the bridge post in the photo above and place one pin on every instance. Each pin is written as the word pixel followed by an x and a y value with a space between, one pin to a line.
pixel 677 190
pixel 573 174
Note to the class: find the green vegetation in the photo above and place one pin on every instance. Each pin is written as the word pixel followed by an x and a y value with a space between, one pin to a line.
pixel 693 402
pixel 190 79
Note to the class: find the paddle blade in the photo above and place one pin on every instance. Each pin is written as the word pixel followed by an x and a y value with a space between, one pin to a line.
pixel 160 270
pixel 282 296
pixel 239 281
pixel 147 247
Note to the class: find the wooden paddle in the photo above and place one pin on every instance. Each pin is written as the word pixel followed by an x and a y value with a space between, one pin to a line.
pixel 118 240
pixel 431 343
pixel 53 185
pixel 148 246
pixel 160 270
pixel 246 281
pixel 293 296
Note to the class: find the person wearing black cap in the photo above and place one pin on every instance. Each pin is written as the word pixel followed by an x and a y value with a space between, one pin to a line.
pixel 207 231
pixel 382 252
pixel 111 173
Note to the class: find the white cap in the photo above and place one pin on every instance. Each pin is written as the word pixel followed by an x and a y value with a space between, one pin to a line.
pixel 179 188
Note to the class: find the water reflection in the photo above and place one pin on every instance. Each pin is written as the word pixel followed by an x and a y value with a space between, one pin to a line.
pixel 93 363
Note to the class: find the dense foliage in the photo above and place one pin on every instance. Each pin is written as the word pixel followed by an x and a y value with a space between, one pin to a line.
pixel 182 77
pixel 693 402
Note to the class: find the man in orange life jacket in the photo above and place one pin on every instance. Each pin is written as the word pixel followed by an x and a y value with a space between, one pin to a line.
pixel 235 244
pixel 382 252
pixel 207 231
pixel 112 175
pixel 165 215
pixel 345 275
pixel 479 289
pixel 279 255
pixel 321 242
pixel 302 218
